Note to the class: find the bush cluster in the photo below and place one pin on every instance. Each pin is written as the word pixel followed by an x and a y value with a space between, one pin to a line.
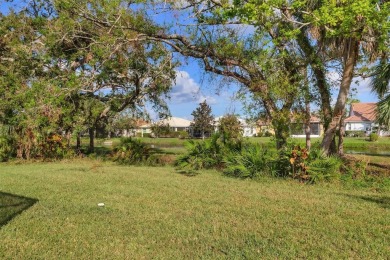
pixel 205 154
pixel 248 160
pixel 373 137
pixel 36 146
pixel 264 134
pixel 7 148
pixel 353 133
pixel 135 152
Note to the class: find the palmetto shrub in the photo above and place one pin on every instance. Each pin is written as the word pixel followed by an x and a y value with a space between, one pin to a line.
pixel 250 162
pixel 313 166
pixel 201 155
pixel 134 152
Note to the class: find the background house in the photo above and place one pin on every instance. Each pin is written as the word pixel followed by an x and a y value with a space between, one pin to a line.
pixel 248 128
pixel 176 124
pixel 139 128
pixel 316 128
pixel 361 117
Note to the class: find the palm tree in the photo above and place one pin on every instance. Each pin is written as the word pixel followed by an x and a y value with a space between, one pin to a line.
pixel 380 85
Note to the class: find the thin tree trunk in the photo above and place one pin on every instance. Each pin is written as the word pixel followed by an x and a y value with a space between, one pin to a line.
pixel 307 124
pixel 68 133
pixel 341 138
pixel 350 59
pixel 78 142
pixel 307 112
pixel 91 140
pixel 19 150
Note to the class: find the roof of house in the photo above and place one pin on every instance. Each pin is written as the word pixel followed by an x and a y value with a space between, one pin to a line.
pixel 141 123
pixel 362 112
pixel 176 122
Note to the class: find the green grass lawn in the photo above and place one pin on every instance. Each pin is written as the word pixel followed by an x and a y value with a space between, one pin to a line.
pixel 158 213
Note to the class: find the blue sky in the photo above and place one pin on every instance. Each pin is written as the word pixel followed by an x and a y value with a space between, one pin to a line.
pixel 191 87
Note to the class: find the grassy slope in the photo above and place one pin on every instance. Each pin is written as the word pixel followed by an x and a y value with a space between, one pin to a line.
pixel 157 213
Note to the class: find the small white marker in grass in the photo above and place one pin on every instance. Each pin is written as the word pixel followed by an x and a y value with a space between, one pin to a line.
pixel 100 204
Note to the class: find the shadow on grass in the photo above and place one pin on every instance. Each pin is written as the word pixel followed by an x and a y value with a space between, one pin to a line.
pixel 383 201
pixel 12 205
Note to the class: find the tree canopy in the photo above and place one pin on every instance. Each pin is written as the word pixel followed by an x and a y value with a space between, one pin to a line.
pixel 203 121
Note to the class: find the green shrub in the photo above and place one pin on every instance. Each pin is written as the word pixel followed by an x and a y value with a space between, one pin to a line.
pixel 353 133
pixel 259 134
pixel 7 148
pixel 183 134
pixel 173 134
pixel 134 152
pixel 268 134
pixel 201 155
pixel 373 137
pixel 145 135
pixel 52 147
pixel 313 166
pixel 323 168
pixel 251 162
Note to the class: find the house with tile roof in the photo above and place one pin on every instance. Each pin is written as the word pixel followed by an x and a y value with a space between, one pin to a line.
pixel 141 127
pixel 361 117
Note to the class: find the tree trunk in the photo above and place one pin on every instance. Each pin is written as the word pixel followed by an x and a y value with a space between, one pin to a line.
pixel 341 138
pixel 307 125
pixel 307 113
pixel 19 150
pixel 281 136
pixel 78 142
pixel 91 140
pixel 282 131
pixel 68 134
pixel 350 59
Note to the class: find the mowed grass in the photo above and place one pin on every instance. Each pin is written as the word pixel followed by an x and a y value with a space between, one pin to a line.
pixel 158 213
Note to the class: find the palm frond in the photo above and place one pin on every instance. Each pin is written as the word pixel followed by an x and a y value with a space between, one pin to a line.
pixel 383 112
pixel 381 79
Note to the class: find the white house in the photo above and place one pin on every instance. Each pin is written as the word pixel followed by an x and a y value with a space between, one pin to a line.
pixel 249 129
pixel 176 123
pixel 361 117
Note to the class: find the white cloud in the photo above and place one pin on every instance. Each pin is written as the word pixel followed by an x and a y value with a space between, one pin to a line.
pixel 187 90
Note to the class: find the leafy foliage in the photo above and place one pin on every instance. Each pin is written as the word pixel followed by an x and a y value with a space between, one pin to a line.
pixel 313 166
pixel 230 128
pixel 65 68
pixel 373 137
pixel 251 162
pixel 201 155
pixel 7 147
pixel 134 152
pixel 160 130
pixel 203 119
